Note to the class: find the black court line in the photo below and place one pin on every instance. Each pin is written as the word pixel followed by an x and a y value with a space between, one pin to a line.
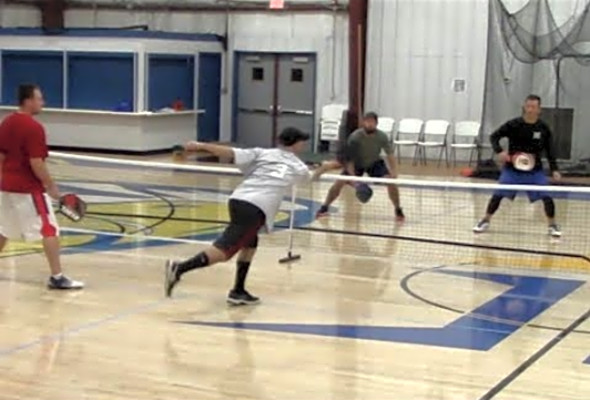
pixel 554 328
pixel 500 386
pixel 118 225
pixel 405 285
pixel 365 234
pixel 168 217
pixel 161 219
pixel 447 242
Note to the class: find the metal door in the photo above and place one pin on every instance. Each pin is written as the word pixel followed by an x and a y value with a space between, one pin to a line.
pixel 296 93
pixel 255 102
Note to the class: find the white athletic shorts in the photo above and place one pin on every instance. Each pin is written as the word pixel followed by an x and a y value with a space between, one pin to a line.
pixel 27 216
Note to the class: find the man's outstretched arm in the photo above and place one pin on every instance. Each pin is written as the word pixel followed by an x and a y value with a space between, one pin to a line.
pixel 214 149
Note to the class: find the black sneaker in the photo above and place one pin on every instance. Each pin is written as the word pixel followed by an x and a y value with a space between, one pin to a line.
pixel 399 215
pixel 171 277
pixel 64 283
pixel 242 298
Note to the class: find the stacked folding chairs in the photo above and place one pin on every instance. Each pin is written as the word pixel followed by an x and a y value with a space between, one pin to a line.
pixel 414 137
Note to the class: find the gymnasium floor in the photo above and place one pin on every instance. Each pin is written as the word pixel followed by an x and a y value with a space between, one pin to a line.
pixel 357 318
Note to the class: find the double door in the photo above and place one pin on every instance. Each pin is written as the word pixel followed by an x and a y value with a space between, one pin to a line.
pixel 275 91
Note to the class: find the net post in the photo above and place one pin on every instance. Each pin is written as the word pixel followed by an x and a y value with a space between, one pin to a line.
pixel 290 257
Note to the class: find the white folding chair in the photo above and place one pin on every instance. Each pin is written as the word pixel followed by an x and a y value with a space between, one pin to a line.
pixel 434 136
pixel 408 135
pixel 465 137
pixel 484 146
pixel 333 112
pixel 330 122
pixel 330 130
pixel 386 125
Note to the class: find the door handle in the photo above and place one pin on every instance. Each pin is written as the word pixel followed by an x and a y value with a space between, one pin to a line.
pixel 256 110
pixel 296 112
pixel 278 110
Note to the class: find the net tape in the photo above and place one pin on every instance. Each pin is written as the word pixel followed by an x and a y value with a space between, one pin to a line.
pixel 411 183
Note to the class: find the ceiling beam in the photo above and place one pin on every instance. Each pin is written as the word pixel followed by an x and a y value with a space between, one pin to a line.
pixel 258 7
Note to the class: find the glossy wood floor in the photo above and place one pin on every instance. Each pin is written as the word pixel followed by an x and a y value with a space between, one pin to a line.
pixel 358 318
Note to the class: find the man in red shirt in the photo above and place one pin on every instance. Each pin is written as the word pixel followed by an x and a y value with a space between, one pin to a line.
pixel 26 187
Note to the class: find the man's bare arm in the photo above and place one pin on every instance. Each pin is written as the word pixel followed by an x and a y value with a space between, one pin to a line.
pixel 40 170
pixel 214 149
pixel 325 167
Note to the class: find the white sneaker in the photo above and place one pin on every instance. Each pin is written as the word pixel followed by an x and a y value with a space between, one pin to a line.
pixel 64 283
pixel 481 226
pixel 554 230
pixel 171 277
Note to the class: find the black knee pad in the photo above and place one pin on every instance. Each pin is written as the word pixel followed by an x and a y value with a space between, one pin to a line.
pixel 549 205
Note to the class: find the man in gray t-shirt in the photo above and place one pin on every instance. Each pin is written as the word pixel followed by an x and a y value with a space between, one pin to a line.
pixel 362 154
pixel 269 174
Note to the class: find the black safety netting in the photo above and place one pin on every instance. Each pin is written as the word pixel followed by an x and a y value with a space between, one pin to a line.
pixel 529 52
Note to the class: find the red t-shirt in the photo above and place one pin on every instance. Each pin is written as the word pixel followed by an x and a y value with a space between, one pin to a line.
pixel 21 138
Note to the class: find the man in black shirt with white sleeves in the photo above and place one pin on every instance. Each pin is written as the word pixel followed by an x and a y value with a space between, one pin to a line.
pixel 529 138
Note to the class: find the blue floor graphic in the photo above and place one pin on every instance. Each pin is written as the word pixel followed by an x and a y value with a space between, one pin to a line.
pixel 481 329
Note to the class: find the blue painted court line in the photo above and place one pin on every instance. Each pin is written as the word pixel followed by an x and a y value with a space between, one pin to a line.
pixel 81 328
pixel 481 329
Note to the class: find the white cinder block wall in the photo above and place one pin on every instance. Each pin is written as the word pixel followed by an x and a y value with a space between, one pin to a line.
pixel 416 48
pixel 325 34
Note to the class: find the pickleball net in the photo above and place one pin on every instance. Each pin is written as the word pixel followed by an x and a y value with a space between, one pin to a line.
pixel 160 203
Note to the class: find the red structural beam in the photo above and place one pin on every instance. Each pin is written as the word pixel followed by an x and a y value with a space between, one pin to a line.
pixel 357 44
pixel 52 14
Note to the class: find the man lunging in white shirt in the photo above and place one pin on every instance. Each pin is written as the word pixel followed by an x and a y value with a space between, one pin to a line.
pixel 269 175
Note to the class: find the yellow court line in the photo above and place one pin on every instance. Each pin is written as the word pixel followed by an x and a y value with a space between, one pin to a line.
pixel 540 261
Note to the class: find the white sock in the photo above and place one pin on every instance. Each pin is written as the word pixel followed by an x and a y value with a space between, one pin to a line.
pixel 57 276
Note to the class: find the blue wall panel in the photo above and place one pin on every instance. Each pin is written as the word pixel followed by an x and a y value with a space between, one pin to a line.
pixel 101 81
pixel 42 68
pixel 209 96
pixel 171 78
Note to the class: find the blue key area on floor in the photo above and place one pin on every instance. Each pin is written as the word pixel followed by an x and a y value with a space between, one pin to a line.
pixel 480 329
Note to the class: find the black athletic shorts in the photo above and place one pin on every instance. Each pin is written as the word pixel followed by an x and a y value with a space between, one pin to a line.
pixel 376 170
pixel 245 220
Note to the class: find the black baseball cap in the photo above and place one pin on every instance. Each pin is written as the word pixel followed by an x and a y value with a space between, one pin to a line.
pixel 290 136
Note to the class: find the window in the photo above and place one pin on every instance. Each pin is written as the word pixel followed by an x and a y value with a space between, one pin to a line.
pixel 458 85
pixel 257 74
pixel 296 75
pixel 171 78
pixel 42 68
pixel 101 81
